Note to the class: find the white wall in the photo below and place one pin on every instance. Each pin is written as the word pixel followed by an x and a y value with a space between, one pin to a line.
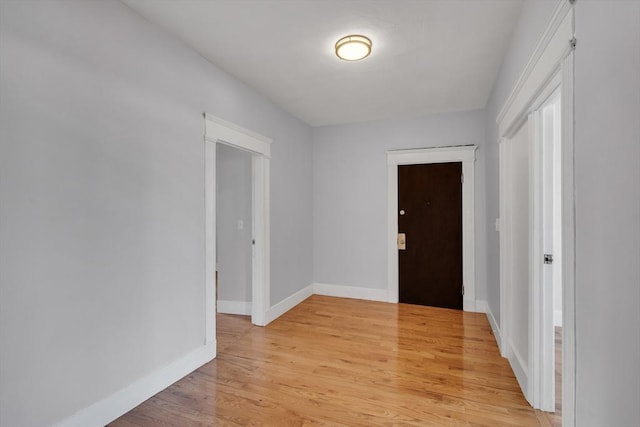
pixel 607 179
pixel 350 192
pixel 101 188
pixel 533 19
pixel 233 240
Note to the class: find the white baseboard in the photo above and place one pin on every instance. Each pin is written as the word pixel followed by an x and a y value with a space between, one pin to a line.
pixel 520 369
pixel 350 292
pixel 287 304
pixel 494 325
pixel 234 307
pixel 106 410
pixel 515 359
pixel 557 317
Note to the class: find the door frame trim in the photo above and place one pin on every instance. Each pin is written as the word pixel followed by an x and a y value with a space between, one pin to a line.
pixel 466 154
pixel 552 60
pixel 219 131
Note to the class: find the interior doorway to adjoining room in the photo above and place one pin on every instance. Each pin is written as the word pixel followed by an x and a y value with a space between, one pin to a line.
pixel 531 249
pixel 234 230
pixel 537 220
pixel 550 145
pixel 219 132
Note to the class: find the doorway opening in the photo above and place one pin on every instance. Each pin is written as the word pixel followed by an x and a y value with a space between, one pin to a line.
pixel 461 155
pixel 234 231
pixel 531 250
pixel 536 224
pixel 219 132
pixel 550 141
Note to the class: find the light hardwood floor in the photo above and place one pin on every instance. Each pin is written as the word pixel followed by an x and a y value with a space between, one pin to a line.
pixel 343 362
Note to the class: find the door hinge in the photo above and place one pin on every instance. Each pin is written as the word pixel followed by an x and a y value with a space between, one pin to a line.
pixel 572 43
pixel 462 178
pixel 463 289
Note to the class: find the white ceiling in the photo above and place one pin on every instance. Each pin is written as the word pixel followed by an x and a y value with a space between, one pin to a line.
pixel 429 56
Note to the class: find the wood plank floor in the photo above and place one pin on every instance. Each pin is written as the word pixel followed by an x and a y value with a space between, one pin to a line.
pixel 343 362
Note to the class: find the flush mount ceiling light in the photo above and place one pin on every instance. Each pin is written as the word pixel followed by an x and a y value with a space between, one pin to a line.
pixel 353 48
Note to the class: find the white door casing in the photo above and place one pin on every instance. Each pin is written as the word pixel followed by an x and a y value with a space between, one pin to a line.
pixel 218 131
pixel 464 154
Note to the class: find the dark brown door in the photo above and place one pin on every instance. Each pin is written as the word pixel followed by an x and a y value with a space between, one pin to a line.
pixel 430 216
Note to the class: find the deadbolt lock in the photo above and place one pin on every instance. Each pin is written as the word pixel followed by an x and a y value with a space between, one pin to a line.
pixel 548 259
pixel 402 241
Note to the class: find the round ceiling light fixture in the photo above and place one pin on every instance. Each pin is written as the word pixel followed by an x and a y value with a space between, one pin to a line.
pixel 353 48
